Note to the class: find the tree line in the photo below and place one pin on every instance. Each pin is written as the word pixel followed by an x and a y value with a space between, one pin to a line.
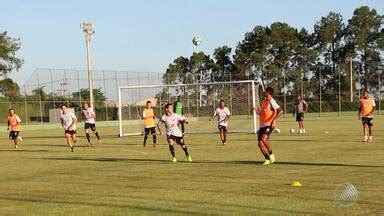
pixel 285 57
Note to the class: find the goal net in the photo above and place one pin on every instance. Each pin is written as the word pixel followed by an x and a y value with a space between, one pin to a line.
pixel 199 103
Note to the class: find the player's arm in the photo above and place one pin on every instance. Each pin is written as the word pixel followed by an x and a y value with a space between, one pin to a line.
pixel 62 122
pixel 360 111
pixel 158 126
pixel 227 116
pixel 9 124
pixel 214 115
pixel 306 106
pixel 182 119
pixel 74 120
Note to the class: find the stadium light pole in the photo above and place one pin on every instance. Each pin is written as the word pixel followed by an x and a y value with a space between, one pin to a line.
pixel 89 30
pixel 379 73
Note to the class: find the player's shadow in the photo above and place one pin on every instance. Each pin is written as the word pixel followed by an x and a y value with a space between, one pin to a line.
pixel 21 150
pixel 106 159
pixel 309 164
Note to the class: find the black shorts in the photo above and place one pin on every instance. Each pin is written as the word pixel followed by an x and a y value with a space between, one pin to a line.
pixel 70 132
pixel 264 130
pixel 221 127
pixel 367 120
pixel 178 140
pixel 299 117
pixel 90 126
pixel 151 130
pixel 13 135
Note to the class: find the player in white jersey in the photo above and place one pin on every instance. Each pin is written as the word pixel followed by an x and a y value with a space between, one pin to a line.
pixel 68 122
pixel 222 114
pixel 89 118
pixel 173 132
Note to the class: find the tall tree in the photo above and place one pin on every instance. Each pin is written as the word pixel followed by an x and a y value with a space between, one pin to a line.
pixel 9 88
pixel 365 32
pixel 251 57
pixel 223 65
pixel 329 33
pixel 8 48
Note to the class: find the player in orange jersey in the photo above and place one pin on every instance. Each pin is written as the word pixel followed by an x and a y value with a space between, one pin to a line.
pixel 366 110
pixel 14 122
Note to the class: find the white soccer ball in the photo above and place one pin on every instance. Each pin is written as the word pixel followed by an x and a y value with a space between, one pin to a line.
pixel 292 130
pixel 196 40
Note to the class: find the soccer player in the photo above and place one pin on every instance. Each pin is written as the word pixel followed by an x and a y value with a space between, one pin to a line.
pixel 174 135
pixel 149 123
pixel 366 110
pixel 178 108
pixel 68 122
pixel 301 107
pixel 89 117
pixel 14 122
pixel 223 114
pixel 269 112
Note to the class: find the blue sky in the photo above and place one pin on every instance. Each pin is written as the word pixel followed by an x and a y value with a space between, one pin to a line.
pixel 146 35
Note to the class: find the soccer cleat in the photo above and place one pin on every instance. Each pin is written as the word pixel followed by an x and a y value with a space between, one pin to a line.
pixel 174 160
pixel 99 141
pixel 15 147
pixel 272 158
pixel 303 130
pixel 370 139
pixel 72 149
pixel 189 158
pixel 224 143
pixel 267 162
pixel 89 144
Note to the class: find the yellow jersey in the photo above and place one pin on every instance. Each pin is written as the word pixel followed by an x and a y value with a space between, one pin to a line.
pixel 149 118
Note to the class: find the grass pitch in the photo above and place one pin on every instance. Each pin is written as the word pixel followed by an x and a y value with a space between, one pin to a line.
pixel 120 177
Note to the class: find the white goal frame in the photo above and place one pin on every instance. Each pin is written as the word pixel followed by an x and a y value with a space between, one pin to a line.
pixel 255 102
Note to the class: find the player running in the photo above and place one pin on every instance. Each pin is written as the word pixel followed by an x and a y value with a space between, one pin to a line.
pixel 178 108
pixel 301 107
pixel 366 110
pixel 269 112
pixel 68 122
pixel 149 123
pixel 171 121
pixel 89 118
pixel 223 114
pixel 14 122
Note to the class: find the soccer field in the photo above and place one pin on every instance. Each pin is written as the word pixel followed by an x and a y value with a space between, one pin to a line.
pixel 120 177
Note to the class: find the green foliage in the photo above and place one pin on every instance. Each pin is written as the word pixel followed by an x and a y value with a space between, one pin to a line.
pixel 8 48
pixel 10 89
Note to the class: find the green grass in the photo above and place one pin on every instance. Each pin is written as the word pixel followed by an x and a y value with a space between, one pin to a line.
pixel 120 177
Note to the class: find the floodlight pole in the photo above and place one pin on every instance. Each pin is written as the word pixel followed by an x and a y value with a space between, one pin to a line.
pixel 379 73
pixel 88 30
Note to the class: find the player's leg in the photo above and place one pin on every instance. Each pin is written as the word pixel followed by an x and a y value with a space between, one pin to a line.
pixel 180 141
pixel 221 132
pixel 262 147
pixel 365 128
pixel 15 138
pixel 68 137
pixel 93 128
pixel 170 141
pixel 370 124
pixel 154 138
pixel 146 132
pixel 225 132
pixel 267 144
pixel 87 135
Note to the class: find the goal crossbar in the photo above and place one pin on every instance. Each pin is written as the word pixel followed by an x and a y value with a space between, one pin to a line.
pixel 253 83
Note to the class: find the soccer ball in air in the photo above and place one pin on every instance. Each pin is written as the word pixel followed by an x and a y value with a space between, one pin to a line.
pixel 196 40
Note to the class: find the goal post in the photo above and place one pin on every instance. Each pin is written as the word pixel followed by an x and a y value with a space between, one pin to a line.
pixel 199 102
